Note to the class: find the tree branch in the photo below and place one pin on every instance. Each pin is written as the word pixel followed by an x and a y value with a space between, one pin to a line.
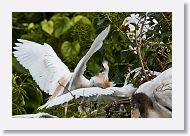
pixel 138 45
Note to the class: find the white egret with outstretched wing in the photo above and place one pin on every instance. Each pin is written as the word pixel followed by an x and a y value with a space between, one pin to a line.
pixel 47 69
pixel 81 66
pixel 126 90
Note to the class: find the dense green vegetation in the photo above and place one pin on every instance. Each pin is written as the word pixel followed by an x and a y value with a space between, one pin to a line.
pixel 71 35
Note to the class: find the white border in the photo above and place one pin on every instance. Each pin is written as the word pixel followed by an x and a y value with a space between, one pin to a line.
pixel 9 6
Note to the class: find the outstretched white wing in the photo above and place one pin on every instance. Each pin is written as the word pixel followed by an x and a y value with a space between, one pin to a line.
pixel 43 64
pixel 81 66
pixel 81 92
pixel 88 92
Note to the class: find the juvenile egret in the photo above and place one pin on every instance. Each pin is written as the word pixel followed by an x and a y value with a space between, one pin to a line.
pixel 49 72
pixel 154 98
pixel 102 80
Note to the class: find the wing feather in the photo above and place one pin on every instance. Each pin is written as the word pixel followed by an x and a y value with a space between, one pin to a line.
pixel 42 62
pixel 126 90
pixel 81 66
pixel 81 92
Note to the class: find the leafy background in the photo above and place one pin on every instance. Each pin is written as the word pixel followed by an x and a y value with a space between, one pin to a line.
pixel 71 35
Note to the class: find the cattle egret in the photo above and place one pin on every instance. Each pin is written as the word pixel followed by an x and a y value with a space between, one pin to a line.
pixel 126 91
pixel 49 72
pixel 102 77
pixel 154 98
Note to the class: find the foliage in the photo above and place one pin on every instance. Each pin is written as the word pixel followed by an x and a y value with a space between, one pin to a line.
pixel 71 35
pixel 26 97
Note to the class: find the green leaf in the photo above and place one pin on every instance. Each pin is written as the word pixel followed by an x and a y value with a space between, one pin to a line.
pixel 82 19
pixel 47 26
pixel 15 96
pixel 169 60
pixel 22 101
pixel 17 110
pixel 17 67
pixel 31 26
pixel 70 49
pixel 61 25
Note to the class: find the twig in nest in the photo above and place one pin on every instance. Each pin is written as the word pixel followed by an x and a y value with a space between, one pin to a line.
pixel 112 108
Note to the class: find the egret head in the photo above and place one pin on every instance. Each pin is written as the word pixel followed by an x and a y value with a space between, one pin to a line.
pixel 101 79
pixel 104 66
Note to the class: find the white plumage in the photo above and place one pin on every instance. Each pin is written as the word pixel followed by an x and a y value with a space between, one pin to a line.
pixel 159 90
pixel 101 79
pixel 47 69
pixel 81 66
pixel 126 91
pixel 37 115
pixel 43 64
pixel 161 84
